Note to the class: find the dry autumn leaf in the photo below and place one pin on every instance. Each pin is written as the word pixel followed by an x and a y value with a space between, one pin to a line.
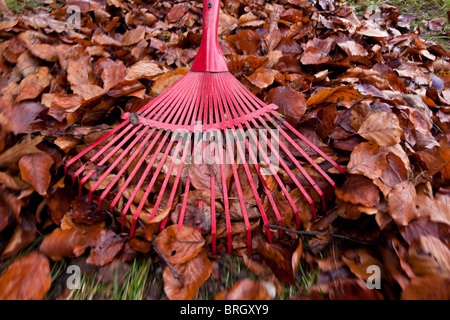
pixel 193 272
pixel 179 246
pixel 35 169
pixel 291 103
pixel 401 203
pixel 27 278
pixel 382 128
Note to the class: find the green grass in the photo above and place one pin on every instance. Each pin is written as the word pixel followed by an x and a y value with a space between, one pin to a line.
pixel 131 286
pixel 20 6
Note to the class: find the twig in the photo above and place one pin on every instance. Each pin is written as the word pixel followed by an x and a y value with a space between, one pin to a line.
pixel 318 233
pixel 161 254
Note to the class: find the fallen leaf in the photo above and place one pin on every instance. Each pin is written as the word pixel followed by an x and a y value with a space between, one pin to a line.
pixel 193 273
pixel 107 247
pixel 291 103
pixel 401 203
pixel 245 289
pixel 179 246
pixel 35 169
pixel 27 278
pixel 382 128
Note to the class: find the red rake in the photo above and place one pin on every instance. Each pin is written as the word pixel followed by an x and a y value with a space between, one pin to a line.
pixel 208 101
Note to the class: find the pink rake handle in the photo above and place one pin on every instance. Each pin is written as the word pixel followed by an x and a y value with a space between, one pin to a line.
pixel 209 56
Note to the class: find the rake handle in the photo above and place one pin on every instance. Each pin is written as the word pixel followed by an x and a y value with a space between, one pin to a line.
pixel 209 56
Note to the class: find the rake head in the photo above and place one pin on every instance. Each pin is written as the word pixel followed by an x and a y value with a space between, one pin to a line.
pixel 210 140
pixel 209 121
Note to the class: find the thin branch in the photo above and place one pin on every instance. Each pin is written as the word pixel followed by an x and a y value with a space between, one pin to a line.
pixel 318 233
pixel 161 254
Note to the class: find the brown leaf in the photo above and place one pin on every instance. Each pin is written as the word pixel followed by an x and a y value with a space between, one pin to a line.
pixel 263 77
pixel 58 203
pixel 359 190
pixel 27 278
pixel 20 117
pixel 248 41
pixel 353 48
pixel 85 213
pixel 401 203
pixel 194 273
pixel 313 56
pixel 291 103
pixel 144 70
pixel 367 159
pixel 113 73
pixel 107 247
pixel 18 241
pixel 35 169
pixel 176 13
pixel 338 94
pixel 179 246
pixel 132 37
pixel 70 240
pixel 432 287
pixel 382 128
pixel 165 81
pixel 34 84
pixel 279 260
pixel 245 289
pixel 358 260
pixel 27 145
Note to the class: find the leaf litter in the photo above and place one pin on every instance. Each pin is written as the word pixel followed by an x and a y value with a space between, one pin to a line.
pixel 374 96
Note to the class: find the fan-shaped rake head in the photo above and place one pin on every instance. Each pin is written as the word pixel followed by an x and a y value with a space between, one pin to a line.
pixel 207 140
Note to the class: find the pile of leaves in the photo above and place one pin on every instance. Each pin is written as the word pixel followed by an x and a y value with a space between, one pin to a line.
pixel 375 97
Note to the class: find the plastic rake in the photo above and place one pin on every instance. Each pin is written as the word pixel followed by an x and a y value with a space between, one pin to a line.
pixel 159 142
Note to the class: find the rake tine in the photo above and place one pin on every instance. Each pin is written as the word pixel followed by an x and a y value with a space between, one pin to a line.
pixel 142 179
pixel 142 159
pixel 113 151
pixel 195 106
pixel 305 155
pixel 253 186
pixel 213 213
pixel 135 169
pixel 156 108
pixel 309 143
pixel 116 162
pixel 265 157
pixel 165 182
pixel 225 196
pixel 149 188
pixel 300 167
pixel 244 102
pixel 124 168
pixel 92 146
pixel 177 178
pixel 255 101
pixel 240 196
pixel 246 167
pixel 181 105
pixel 101 151
pixel 184 204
